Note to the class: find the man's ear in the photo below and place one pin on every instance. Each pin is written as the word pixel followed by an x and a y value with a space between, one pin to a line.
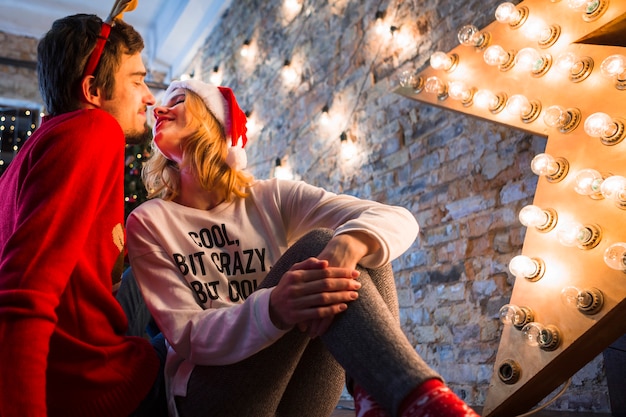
pixel 91 94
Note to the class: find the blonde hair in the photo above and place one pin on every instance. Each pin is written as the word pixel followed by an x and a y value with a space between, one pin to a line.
pixel 204 153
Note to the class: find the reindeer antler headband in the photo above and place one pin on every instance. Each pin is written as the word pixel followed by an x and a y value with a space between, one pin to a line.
pixel 119 8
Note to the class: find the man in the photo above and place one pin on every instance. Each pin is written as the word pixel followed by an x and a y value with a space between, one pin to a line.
pixel 63 349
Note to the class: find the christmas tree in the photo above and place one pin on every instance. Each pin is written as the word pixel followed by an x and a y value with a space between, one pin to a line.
pixel 134 190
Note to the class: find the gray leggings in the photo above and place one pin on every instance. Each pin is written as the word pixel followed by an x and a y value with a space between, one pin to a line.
pixel 299 376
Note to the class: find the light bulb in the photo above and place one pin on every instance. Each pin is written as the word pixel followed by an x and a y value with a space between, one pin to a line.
pixel 442 61
pixel 614 188
pixel 588 182
pixel 587 301
pixel 348 147
pixel 290 75
pixel 600 125
pixel 434 85
pixel 510 314
pixel 531 333
pixel 556 116
pixel 613 66
pixel 534 216
pixel 412 80
pixel 507 13
pixel 459 91
pixel 536 30
pixel 215 78
pixel 469 35
pixel 380 26
pixel 565 62
pixel 522 266
pixel 530 60
pixel 587 6
pixel 615 256
pixel 495 55
pixel 245 49
pixel 536 334
pixel 485 99
pixel 575 234
pixel 325 118
pixel 518 105
pixel 577 4
pixel 544 164
pixel 282 171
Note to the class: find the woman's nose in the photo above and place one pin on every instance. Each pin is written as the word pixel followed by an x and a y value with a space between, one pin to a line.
pixel 159 110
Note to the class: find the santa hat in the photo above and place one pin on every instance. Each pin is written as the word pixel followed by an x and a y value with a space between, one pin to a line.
pixel 222 103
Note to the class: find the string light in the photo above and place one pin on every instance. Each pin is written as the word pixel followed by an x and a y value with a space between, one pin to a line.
pixel 348 147
pixel 216 76
pixel 245 49
pixel 290 75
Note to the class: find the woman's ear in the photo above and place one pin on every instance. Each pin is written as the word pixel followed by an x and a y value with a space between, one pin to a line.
pixel 90 94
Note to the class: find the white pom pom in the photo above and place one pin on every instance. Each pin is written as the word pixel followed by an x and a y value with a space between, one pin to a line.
pixel 237 158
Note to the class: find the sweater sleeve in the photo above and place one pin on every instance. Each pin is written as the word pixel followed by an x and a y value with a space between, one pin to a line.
pixel 60 180
pixel 305 207
pixel 211 336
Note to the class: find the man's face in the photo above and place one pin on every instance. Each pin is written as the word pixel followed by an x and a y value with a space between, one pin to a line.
pixel 130 99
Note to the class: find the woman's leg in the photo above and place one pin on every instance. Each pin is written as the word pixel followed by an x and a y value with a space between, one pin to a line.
pixel 315 386
pixel 369 343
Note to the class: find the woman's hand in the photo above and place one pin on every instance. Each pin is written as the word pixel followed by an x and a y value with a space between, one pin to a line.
pixel 312 291
pixel 345 250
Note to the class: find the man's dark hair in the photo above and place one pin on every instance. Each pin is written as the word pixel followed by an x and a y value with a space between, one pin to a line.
pixel 63 53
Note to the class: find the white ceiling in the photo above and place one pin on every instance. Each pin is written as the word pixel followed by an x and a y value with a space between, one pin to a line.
pixel 173 30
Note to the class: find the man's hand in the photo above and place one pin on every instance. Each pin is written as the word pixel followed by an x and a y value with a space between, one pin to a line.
pixel 311 291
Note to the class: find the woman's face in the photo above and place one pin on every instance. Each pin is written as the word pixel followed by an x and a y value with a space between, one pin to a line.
pixel 171 125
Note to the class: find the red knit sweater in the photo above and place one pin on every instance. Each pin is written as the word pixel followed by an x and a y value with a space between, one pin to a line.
pixel 62 346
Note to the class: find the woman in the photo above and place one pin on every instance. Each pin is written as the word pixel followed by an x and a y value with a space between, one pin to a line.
pixel 266 291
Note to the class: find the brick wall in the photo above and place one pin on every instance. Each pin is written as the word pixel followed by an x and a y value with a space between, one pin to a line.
pixel 18 84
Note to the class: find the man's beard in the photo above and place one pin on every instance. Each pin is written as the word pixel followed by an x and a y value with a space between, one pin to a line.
pixel 139 137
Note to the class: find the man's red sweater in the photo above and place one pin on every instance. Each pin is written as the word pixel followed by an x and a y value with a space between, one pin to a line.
pixel 63 351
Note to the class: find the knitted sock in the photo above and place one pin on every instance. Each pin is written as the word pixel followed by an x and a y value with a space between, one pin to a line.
pixel 434 399
pixel 365 405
